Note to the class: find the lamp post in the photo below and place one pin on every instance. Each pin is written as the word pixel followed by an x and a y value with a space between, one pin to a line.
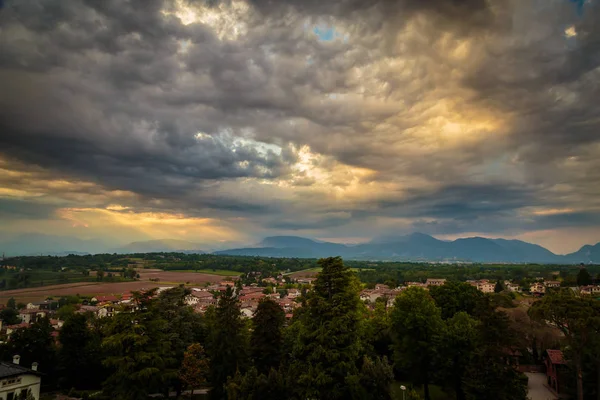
pixel 403 388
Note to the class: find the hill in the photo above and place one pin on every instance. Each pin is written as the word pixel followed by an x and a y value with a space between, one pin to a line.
pixel 418 247
pixel 161 245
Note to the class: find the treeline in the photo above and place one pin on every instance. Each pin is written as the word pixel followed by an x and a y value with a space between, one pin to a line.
pixel 396 273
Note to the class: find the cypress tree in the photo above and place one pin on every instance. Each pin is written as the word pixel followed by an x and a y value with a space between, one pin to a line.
pixel 327 349
pixel 266 340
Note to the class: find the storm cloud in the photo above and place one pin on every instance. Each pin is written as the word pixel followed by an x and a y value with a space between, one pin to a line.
pixel 338 119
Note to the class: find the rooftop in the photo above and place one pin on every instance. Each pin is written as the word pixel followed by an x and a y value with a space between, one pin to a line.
pixel 9 369
pixel 556 356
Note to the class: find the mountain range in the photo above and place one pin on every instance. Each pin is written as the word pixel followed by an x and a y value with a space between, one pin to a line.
pixel 413 247
pixel 419 247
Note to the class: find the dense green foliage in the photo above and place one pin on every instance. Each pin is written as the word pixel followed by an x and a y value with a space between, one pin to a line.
pixel 452 340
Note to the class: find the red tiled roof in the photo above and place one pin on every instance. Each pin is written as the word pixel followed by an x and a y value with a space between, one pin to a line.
pixel 18 326
pixel 556 356
pixel 102 299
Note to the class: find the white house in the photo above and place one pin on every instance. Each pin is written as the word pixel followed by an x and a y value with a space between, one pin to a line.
pixel 591 290
pixel 14 379
pixel 538 288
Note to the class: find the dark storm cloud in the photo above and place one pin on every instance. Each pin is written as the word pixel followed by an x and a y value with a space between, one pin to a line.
pixel 22 209
pixel 124 95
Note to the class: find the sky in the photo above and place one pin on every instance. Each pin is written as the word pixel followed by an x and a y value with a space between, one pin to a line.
pixel 224 121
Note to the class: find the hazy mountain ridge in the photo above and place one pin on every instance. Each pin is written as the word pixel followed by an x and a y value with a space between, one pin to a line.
pixel 419 247
pixel 159 246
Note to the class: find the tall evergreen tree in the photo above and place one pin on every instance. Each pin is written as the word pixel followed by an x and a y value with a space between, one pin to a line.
pixel 266 340
pixel 416 324
pixel 138 352
pixel 186 327
pixel 327 348
pixel 11 303
pixel 583 277
pixel 489 375
pixel 78 357
pixel 228 343
pixel 457 345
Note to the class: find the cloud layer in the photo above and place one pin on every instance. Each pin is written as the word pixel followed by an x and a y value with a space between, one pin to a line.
pixel 227 120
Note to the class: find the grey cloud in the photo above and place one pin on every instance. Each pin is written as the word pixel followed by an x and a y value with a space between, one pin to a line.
pixel 102 92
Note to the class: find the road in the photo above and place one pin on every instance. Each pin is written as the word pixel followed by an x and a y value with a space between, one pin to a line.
pixel 536 389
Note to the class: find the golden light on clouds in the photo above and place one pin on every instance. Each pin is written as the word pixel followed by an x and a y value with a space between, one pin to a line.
pixel 156 225
pixel 571 32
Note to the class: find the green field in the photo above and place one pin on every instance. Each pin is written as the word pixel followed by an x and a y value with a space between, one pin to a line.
pixel 221 272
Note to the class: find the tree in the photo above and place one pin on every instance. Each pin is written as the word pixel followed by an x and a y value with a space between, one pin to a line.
pixel 10 316
pixel 577 317
pixel 499 286
pixel 454 297
pixel 66 311
pixel 228 343
pixel 416 323
pixel 327 347
pixel 11 303
pixel 194 368
pixel 457 344
pixel 35 344
pixel 138 351
pixel 376 376
pixel 266 339
pixel 488 374
pixel 584 278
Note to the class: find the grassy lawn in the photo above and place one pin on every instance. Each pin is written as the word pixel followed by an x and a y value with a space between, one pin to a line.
pixel 436 392
pixel 221 272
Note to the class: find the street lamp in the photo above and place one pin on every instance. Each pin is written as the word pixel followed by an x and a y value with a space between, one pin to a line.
pixel 403 388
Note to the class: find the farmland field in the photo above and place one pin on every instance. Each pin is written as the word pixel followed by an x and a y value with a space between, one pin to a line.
pixel 165 278
pixel 220 272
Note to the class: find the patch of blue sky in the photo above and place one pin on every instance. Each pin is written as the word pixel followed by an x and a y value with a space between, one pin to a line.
pixel 327 33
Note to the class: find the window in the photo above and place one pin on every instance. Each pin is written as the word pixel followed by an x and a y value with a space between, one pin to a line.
pixel 10 396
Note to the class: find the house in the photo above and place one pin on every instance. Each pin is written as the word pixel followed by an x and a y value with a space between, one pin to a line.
pixel 88 309
pixel 126 298
pixel 512 287
pixel 43 305
pixel 552 284
pixel 272 281
pixel 381 286
pixel 56 323
pixel 537 288
pixel 554 360
pixel 417 284
pixel 11 328
pixel 591 290
pixel 483 285
pixel 228 283
pixel 305 281
pixel 293 293
pixel 28 316
pixel 435 282
pixel 15 379
pixel 105 299
pixel 106 310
